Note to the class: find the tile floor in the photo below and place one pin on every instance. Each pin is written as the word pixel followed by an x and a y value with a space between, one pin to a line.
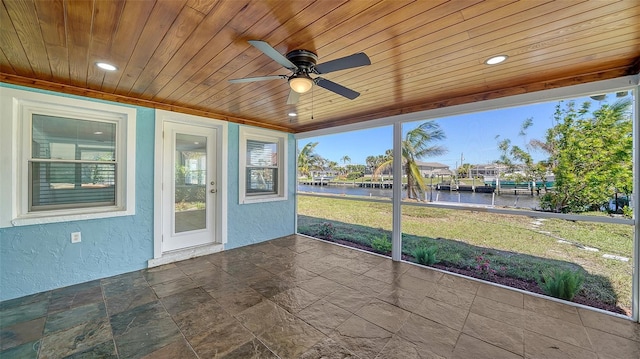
pixel 296 297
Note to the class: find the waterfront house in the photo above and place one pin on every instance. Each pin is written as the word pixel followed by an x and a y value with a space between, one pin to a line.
pixel 91 234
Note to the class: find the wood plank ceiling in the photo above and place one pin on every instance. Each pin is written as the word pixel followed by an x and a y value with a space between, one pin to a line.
pixel 180 54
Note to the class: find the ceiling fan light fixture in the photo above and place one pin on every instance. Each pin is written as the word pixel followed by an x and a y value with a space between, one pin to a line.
pixel 494 60
pixel 300 84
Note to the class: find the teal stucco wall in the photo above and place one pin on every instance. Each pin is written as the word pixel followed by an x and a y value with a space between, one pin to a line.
pixel 37 258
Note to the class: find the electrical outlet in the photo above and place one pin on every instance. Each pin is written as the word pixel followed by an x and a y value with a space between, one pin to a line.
pixel 76 237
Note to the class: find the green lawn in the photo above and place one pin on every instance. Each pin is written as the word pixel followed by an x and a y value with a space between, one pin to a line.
pixel 513 244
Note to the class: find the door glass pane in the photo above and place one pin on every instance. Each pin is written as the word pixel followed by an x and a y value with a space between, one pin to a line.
pixel 190 182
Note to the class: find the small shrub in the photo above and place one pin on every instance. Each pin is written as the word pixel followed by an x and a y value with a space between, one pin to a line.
pixel 326 230
pixel 483 266
pixel 381 244
pixel 627 211
pixel 426 255
pixel 563 284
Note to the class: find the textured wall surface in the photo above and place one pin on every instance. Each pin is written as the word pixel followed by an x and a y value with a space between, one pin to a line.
pixel 257 222
pixel 37 258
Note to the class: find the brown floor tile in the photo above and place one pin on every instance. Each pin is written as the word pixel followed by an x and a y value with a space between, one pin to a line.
pixel 106 350
pixel 297 275
pixel 23 313
pixel 427 274
pixel 133 329
pixel 253 349
pixel 498 311
pixel 361 337
pixel 320 286
pixel 419 287
pixel 558 329
pixel 399 348
pixel 402 298
pixel 349 299
pixel 75 316
pixel 540 346
pixel 292 338
pixel 494 332
pixel 21 333
pixel 271 287
pixel 609 346
pixel 324 316
pixel 328 349
pixel 75 296
pixel 239 299
pixel 179 349
pixel 622 327
pixel 29 299
pixel 186 300
pixel 502 295
pixel 195 265
pixel 166 273
pixel 432 336
pixel 469 347
pixel 127 293
pixel 295 299
pixel 165 289
pixel 453 296
pixel 197 319
pixel 220 339
pixel 442 313
pixel 23 351
pixel 552 308
pixel 77 339
pixel 264 316
pixel 460 283
pixel 384 315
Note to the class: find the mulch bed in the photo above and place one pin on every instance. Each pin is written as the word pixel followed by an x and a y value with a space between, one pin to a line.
pixel 529 286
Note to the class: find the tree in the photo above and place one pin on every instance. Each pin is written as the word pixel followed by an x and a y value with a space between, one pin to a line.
pixel 591 156
pixel 518 160
pixel 416 145
pixel 308 160
pixel 345 159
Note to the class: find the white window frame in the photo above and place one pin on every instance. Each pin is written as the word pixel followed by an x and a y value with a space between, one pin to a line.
pixel 16 109
pixel 257 134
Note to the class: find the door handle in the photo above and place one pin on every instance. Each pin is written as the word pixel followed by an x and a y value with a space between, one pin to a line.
pixel 213 191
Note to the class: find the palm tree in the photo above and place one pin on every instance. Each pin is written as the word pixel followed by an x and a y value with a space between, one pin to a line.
pixel 345 159
pixel 416 145
pixel 307 159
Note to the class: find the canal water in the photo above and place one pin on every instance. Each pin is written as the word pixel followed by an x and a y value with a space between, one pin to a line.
pixel 503 200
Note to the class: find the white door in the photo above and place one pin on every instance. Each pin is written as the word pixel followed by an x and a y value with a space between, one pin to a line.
pixel 188 186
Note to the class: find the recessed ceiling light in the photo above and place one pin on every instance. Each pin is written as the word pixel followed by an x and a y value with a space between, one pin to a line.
pixel 196 143
pixel 292 114
pixel 496 59
pixel 97 133
pixel 106 66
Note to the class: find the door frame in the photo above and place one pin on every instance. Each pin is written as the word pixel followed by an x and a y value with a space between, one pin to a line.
pixel 220 220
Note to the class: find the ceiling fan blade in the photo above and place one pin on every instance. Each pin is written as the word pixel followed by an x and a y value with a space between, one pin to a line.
pixel 334 87
pixel 273 54
pixel 343 63
pixel 254 79
pixel 293 98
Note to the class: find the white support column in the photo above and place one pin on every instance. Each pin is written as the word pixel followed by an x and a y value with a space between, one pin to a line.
pixel 635 198
pixel 396 235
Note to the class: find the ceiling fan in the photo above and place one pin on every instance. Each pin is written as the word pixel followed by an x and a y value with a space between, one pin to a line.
pixel 302 63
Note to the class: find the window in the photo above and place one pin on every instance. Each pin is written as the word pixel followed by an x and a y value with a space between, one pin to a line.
pixel 72 163
pixel 69 159
pixel 262 165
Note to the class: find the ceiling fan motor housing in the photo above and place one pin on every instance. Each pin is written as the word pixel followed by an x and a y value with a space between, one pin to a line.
pixel 305 60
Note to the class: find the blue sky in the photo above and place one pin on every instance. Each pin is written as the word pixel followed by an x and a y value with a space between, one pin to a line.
pixel 472 136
